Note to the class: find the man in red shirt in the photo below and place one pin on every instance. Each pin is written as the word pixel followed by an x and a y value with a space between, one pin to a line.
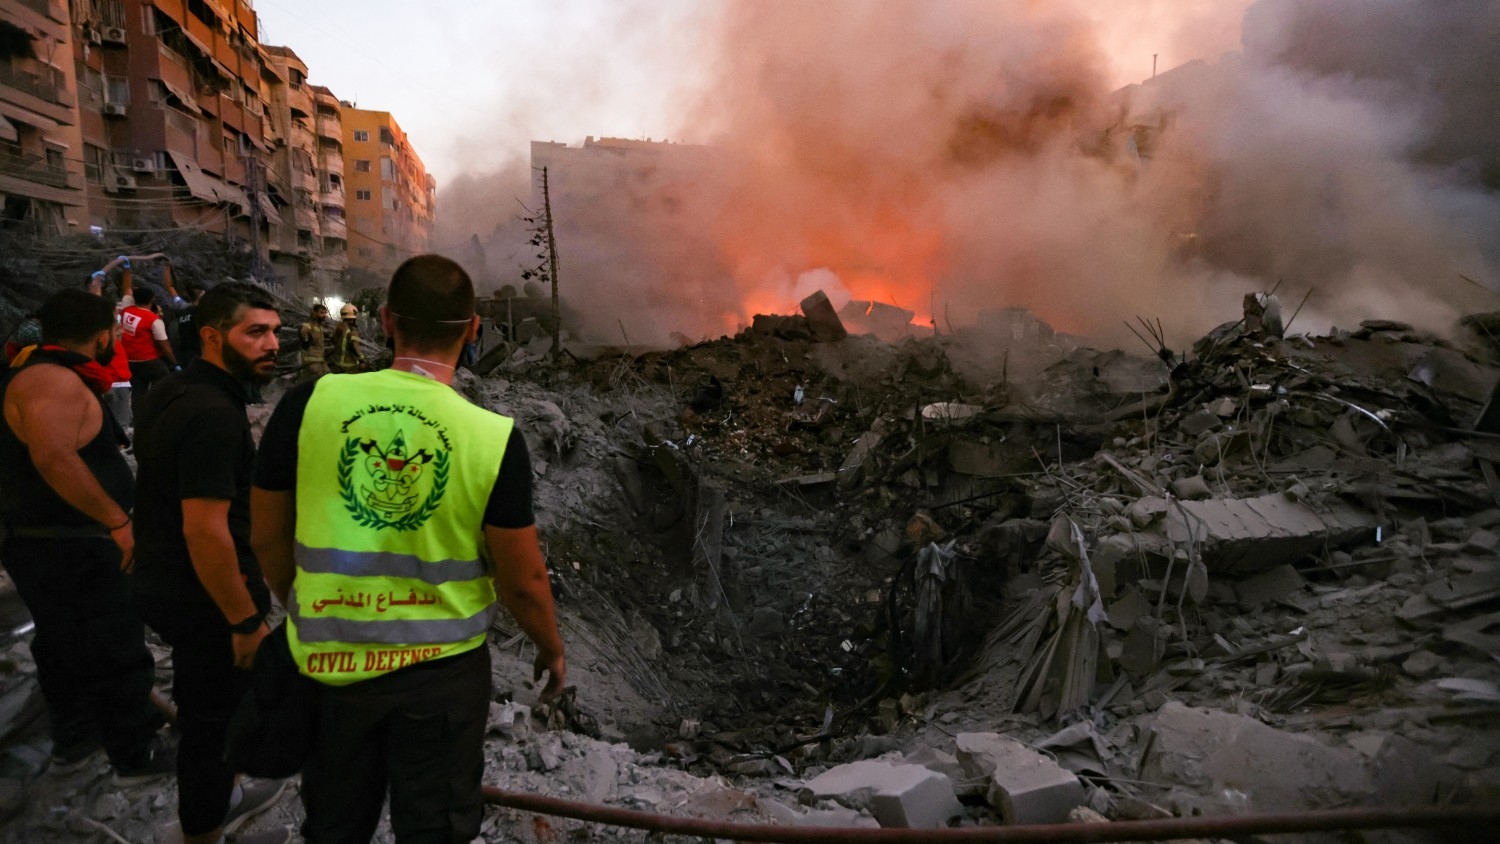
pixel 144 336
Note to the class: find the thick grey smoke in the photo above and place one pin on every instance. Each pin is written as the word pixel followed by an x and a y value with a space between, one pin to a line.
pixel 971 154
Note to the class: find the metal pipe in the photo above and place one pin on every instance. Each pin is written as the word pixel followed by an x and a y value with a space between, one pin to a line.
pixel 1450 819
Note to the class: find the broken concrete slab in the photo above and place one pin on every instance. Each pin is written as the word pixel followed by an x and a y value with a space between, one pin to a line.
pixel 1269 585
pixel 851 471
pixel 979 459
pixel 1275 770
pixel 1193 488
pixel 887 322
pixel 1026 786
pixel 1244 535
pixel 1197 423
pixel 898 795
pixel 824 320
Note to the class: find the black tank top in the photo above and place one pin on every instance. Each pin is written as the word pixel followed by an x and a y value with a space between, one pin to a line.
pixel 25 498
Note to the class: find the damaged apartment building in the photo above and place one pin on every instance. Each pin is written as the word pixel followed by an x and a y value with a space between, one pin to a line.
pixel 132 117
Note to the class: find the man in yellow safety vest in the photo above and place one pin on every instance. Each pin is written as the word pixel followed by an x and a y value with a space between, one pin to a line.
pixel 388 512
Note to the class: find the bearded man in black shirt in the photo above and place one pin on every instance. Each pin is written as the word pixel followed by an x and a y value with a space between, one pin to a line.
pixel 197 582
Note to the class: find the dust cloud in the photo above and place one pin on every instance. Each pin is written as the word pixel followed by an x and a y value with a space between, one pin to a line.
pixel 968 155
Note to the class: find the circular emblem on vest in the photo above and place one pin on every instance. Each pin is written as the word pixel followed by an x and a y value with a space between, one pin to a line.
pixel 393 468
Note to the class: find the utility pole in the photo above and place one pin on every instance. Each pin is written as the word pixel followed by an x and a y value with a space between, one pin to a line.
pixel 551 265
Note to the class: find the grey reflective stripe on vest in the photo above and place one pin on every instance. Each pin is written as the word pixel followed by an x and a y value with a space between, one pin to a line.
pixel 386 564
pixel 391 631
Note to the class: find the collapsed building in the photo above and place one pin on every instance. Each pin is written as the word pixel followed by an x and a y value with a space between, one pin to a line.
pixel 978 578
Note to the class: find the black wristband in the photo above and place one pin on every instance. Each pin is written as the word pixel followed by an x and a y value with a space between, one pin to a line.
pixel 249 625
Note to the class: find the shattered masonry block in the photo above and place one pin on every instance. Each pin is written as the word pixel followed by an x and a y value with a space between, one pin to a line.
pixel 916 799
pixel 1245 535
pixel 826 324
pixel 1026 786
pixel 1268 586
pixel 907 796
pixel 1203 749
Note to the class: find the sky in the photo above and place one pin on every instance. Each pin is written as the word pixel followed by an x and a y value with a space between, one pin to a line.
pixel 473 82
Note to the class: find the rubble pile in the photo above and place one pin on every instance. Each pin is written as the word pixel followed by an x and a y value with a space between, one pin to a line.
pixel 807 577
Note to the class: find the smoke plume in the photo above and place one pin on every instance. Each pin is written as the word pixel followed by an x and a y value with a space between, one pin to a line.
pixel 961 156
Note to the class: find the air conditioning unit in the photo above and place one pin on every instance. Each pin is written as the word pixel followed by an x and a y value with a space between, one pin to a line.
pixel 143 165
pixel 124 182
pixel 114 34
pixel 116 109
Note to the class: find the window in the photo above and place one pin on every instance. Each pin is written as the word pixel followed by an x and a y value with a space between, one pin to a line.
pixel 361 135
pixel 366 253
pixel 95 159
pixel 362 194
pixel 386 137
pixel 361 165
pixel 117 90
pixel 231 146
pixel 294 77
pixel 90 85
pixel 387 169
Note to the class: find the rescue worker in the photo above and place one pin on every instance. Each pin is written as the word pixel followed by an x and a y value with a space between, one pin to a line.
pixel 65 497
pixel 143 333
pixel 197 582
pixel 314 343
pixel 348 356
pixel 388 513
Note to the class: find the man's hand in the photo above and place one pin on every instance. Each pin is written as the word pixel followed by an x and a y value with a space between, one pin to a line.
pixel 124 538
pixel 556 667
pixel 246 644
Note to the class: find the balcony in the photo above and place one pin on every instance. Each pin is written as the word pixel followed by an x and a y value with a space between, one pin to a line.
pixel 304 180
pixel 41 7
pixel 302 138
pixel 306 219
pixel 31 83
pixel 331 162
pixel 331 198
pixel 32 168
pixel 334 227
pixel 330 126
pixel 300 101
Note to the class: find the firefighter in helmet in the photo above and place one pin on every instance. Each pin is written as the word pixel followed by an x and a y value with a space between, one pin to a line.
pixel 348 356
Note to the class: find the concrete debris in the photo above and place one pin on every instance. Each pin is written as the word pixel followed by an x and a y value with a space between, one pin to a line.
pixel 1239 536
pixel 1267 586
pixel 826 326
pixel 898 795
pixel 1277 586
pixel 511 720
pixel 1026 786
pixel 1219 752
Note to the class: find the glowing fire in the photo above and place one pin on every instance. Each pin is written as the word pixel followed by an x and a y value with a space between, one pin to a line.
pixel 882 256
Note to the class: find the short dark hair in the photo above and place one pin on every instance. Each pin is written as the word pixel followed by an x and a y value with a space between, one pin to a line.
pixel 74 316
pixel 220 307
pixel 432 301
pixel 143 295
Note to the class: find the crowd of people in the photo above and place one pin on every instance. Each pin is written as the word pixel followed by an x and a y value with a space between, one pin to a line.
pixel 384 512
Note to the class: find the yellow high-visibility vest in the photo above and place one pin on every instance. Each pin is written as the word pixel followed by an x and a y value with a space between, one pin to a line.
pixel 393 475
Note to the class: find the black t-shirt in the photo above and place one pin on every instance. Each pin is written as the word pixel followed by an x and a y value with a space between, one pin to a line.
pixel 192 440
pixel 276 466
pixel 189 346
